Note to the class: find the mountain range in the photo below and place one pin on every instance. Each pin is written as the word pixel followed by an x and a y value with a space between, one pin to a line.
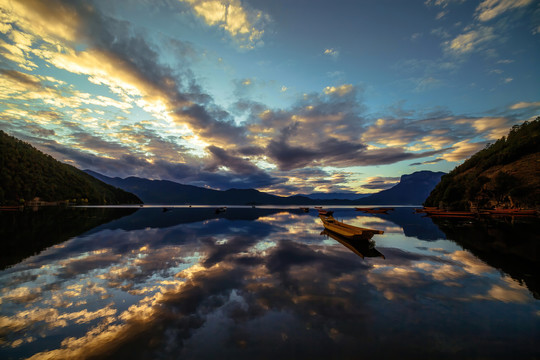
pixel 412 190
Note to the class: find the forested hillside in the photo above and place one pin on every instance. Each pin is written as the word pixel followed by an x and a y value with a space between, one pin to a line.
pixel 27 173
pixel 504 174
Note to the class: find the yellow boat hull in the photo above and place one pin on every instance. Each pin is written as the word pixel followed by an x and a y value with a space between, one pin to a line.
pixel 346 230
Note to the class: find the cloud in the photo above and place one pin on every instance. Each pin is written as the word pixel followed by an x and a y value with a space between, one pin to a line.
pixel 392 155
pixel 442 3
pixel 339 90
pixel 331 52
pixel 380 183
pixel 510 291
pixel 236 164
pixel 524 105
pixel 470 41
pixel 127 65
pixel 428 162
pixel 490 9
pixel 244 25
pixel 492 128
pixel 427 83
pixel 462 150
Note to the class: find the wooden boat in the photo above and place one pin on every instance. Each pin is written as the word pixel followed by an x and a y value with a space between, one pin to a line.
pixel 221 209
pixel 11 208
pixel 305 209
pixel 444 213
pixel 326 212
pixel 510 212
pixel 364 248
pixel 346 230
pixel 424 209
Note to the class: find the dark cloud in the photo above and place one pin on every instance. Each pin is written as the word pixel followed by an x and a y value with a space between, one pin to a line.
pixel 250 150
pixel 212 122
pixel 380 183
pixel 290 157
pixel 28 80
pixel 392 155
pixel 428 162
pixel 236 164
pixel 97 144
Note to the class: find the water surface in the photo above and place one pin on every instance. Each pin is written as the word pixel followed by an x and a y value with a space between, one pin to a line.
pixel 265 283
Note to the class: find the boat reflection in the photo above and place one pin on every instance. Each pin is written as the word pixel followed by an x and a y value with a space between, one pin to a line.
pixel 361 247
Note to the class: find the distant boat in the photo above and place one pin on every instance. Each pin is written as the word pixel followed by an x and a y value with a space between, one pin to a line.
pixel 165 209
pixel 424 209
pixel 374 210
pixel 12 208
pixel 364 248
pixel 305 209
pixel 221 209
pixel 444 213
pixel 346 230
pixel 325 212
pixel 510 212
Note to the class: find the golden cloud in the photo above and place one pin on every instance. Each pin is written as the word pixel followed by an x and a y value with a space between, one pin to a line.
pixel 339 90
pixel 490 9
pixel 462 150
pixel 470 41
pixel 492 128
pixel 524 105
pixel 509 292
pixel 241 23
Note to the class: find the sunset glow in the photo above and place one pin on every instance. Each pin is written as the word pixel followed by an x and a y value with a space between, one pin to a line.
pixel 286 97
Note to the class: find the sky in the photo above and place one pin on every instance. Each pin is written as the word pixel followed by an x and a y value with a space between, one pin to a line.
pixel 288 97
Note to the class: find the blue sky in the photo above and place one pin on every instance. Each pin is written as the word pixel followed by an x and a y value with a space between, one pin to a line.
pixel 283 96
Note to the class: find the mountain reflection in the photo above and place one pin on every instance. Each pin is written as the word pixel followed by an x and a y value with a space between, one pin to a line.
pixel 258 283
pixel 506 243
pixel 26 233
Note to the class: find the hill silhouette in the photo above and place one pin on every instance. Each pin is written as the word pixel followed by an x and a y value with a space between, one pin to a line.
pixel 27 173
pixel 504 174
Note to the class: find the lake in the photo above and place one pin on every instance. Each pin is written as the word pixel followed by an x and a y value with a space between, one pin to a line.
pixel 265 283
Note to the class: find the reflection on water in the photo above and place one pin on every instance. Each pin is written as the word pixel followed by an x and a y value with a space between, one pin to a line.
pixel 361 247
pixel 263 283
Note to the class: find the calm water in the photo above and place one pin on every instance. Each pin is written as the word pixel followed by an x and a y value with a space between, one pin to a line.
pixel 265 284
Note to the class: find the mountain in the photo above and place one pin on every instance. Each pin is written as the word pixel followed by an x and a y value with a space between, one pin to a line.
pixel 336 195
pixel 169 192
pixel 27 173
pixel 504 174
pixel 412 189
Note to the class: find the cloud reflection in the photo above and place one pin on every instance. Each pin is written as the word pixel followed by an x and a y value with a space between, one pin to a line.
pixel 238 288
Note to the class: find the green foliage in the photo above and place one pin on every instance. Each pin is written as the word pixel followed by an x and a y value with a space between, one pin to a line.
pixel 462 185
pixel 27 173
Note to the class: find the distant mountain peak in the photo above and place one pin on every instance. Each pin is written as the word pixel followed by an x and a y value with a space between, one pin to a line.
pixel 412 189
